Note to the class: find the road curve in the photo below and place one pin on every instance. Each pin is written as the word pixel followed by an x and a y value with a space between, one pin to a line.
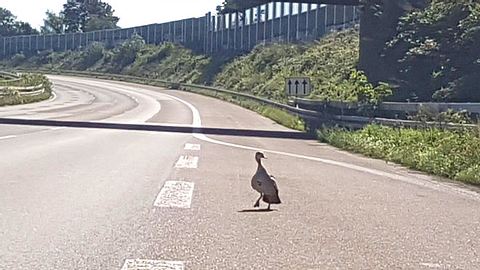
pixel 84 196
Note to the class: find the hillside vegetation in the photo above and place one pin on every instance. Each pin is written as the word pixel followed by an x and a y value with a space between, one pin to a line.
pixel 331 64
pixel 133 57
pixel 446 153
pixel 261 72
pixel 430 53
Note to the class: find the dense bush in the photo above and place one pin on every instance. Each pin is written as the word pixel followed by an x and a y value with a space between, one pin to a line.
pixel 18 59
pixel 92 55
pixel 126 53
pixel 446 153
pixel 169 62
pixel 435 53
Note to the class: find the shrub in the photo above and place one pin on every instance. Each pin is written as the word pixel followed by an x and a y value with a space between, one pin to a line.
pixel 17 59
pixel 92 54
pixel 127 52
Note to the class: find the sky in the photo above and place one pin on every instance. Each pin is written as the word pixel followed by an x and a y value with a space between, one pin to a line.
pixel 131 13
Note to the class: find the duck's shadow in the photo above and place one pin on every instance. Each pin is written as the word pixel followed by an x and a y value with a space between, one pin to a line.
pixel 257 210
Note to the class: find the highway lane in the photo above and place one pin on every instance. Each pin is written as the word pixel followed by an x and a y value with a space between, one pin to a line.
pixel 85 198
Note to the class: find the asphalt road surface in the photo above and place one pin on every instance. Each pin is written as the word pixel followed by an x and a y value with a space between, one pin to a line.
pixel 117 180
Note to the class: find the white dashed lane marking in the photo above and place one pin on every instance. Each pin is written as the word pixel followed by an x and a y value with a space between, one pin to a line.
pixel 7 137
pixel 152 265
pixel 175 194
pixel 431 265
pixel 192 147
pixel 187 162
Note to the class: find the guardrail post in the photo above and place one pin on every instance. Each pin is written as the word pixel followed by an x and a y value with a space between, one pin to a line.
pixel 311 126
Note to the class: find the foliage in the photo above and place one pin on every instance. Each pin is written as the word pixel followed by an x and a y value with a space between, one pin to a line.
pixel 133 57
pixel 446 153
pixel 361 90
pixel 260 72
pixel 330 62
pixel 435 53
pixel 9 26
pixel 169 62
pixel 92 55
pixel 18 59
pixel 85 16
pixel 53 23
pixel 426 114
pixel 127 52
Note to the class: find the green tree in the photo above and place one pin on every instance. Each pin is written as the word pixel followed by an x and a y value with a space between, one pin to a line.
pixel 74 16
pixel 99 16
pixel 7 22
pixel 91 15
pixel 53 23
pixel 9 26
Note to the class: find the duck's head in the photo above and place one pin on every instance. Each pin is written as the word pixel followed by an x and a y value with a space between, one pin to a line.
pixel 259 156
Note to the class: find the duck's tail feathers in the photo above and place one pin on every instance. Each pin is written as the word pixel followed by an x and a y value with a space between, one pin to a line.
pixel 272 199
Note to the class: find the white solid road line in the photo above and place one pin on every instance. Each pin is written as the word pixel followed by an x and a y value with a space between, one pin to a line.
pixel 432 184
pixel 139 264
pixel 57 128
pixel 8 137
pixel 175 194
pixel 187 162
pixel 192 147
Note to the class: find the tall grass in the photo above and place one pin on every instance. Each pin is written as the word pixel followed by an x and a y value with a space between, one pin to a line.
pixel 453 154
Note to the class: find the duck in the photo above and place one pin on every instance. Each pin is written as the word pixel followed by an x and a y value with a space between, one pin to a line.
pixel 265 184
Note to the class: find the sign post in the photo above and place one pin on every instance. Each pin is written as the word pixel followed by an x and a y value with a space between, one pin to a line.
pixel 298 86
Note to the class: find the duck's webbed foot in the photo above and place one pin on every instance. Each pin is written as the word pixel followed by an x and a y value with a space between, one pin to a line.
pixel 257 204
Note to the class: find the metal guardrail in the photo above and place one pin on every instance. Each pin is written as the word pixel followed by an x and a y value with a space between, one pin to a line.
pixel 313 118
pixel 24 91
pixel 409 107
pixel 9 78
pixel 6 85
pixel 306 114
pixel 9 75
